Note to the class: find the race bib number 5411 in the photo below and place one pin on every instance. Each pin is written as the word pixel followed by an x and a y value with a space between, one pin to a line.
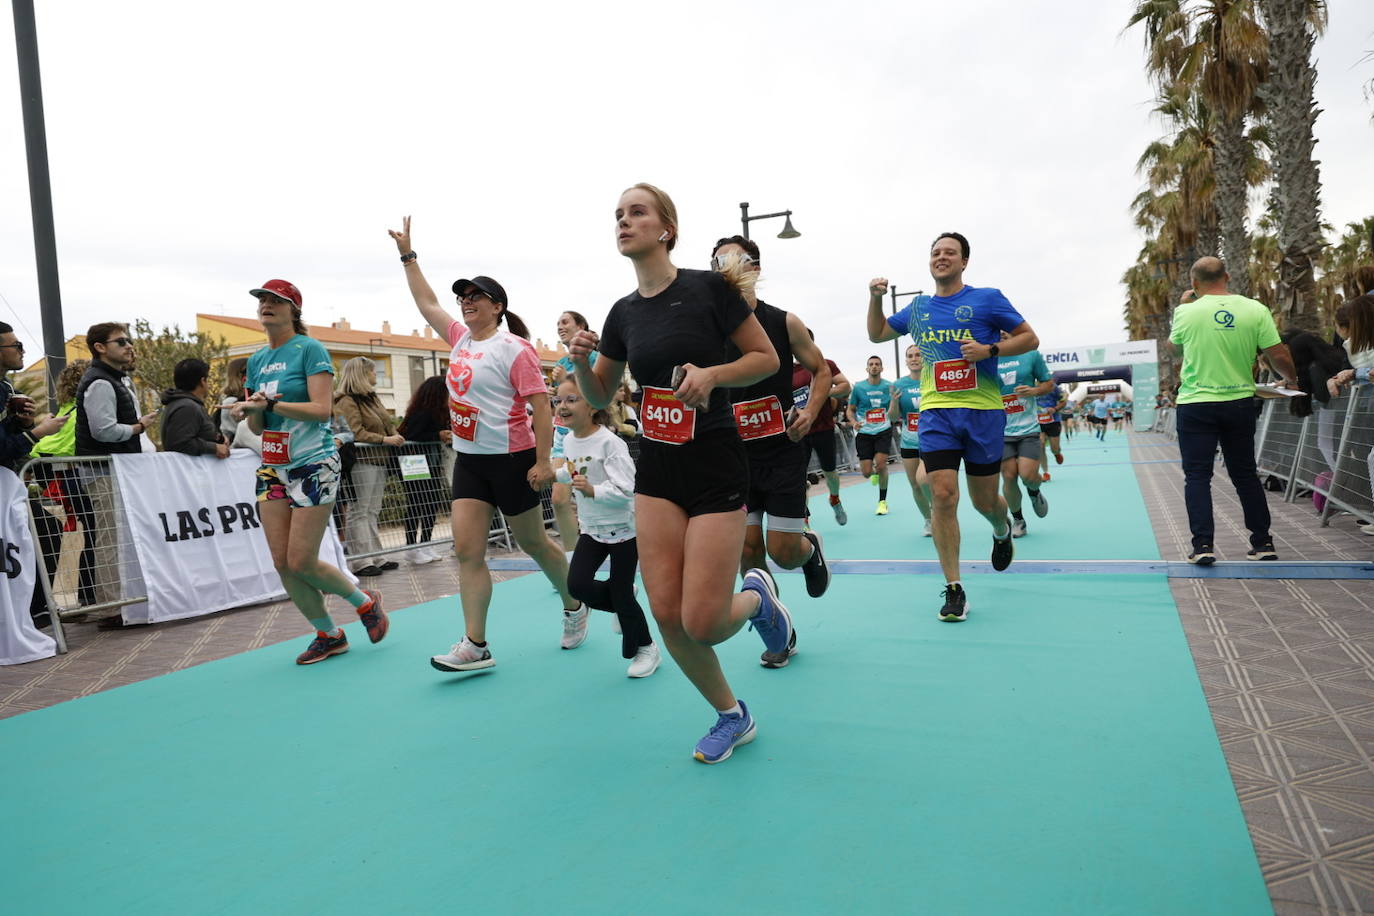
pixel 665 418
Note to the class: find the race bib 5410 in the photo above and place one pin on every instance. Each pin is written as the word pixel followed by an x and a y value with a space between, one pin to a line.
pixel 665 418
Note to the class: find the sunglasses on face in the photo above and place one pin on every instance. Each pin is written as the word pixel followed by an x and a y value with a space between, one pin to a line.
pixel 14 346
pixel 473 296
pixel 120 341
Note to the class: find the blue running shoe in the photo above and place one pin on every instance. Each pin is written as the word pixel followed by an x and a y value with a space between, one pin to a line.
pixel 773 623
pixel 728 733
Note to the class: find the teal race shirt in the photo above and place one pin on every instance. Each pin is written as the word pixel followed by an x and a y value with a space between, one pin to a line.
pixel 909 407
pixel 1027 369
pixel 940 325
pixel 281 373
pixel 870 404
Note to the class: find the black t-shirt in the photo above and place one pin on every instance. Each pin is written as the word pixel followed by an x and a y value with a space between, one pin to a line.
pixel 689 322
pixel 779 384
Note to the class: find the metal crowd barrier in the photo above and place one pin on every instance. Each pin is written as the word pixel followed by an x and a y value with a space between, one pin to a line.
pixel 1330 453
pixel 77 521
pixel 1165 422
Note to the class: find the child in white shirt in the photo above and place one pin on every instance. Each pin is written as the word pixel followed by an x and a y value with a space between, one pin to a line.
pixel 597 464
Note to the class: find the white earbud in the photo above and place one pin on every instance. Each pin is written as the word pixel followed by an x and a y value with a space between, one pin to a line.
pixel 664 236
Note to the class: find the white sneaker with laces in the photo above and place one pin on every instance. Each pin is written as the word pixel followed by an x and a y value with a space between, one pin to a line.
pixel 575 627
pixel 645 662
pixel 927 532
pixel 464 656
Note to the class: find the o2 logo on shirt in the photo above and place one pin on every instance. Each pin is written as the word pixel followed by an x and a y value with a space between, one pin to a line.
pixel 964 313
pixel 462 378
pixel 1224 318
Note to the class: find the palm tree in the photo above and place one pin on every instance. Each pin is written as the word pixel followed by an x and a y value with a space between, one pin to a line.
pixel 1293 26
pixel 1217 49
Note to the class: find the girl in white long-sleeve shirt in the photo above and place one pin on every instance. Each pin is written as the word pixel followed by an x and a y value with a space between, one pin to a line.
pixel 598 466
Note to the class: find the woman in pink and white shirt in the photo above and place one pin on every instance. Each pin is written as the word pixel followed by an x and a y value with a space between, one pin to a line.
pixel 503 457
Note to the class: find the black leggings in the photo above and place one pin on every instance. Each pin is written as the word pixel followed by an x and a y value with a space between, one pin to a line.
pixel 616 594
pixel 422 507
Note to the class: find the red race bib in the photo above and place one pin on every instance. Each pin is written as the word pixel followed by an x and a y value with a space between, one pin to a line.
pixel 276 447
pixel 874 416
pixel 462 420
pixel 1012 404
pixel 1045 417
pixel 913 420
pixel 955 375
pixel 665 418
pixel 759 418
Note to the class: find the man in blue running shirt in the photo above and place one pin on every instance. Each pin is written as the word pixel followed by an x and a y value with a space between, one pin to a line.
pixel 1101 407
pixel 959 330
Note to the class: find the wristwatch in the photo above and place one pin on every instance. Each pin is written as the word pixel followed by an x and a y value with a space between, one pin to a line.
pixel 993 350
pixel 271 406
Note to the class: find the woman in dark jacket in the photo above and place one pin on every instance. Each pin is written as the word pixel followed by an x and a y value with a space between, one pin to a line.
pixel 426 429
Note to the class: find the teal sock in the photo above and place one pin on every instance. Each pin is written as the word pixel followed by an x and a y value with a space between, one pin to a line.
pixel 358 598
pixel 326 626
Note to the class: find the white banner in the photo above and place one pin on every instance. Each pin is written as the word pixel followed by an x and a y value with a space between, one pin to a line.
pixel 20 640
pixel 1130 352
pixel 193 522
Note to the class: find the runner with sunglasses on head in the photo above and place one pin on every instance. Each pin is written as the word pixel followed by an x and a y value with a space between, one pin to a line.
pixel 292 385
pixel 503 459
pixel 959 332
pixel 772 426
pixel 693 474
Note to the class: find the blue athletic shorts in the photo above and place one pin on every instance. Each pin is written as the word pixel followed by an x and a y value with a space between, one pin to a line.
pixel 976 433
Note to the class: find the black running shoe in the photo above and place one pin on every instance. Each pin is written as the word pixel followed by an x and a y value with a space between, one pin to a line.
pixel 1003 550
pixel 956 604
pixel 1263 552
pixel 815 569
pixel 1202 556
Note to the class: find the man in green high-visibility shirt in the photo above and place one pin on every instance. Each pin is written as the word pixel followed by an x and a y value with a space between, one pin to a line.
pixel 1220 334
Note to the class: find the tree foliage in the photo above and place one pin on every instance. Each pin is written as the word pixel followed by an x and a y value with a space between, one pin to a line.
pixel 158 352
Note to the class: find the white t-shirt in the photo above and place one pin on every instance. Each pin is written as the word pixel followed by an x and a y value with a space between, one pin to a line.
pixel 609 516
pixel 488 382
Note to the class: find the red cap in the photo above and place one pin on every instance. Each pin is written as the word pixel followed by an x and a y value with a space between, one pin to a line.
pixel 279 288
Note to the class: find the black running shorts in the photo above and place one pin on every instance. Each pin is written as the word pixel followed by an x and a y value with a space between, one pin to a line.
pixel 498 480
pixel 911 453
pixel 1052 429
pixel 778 487
pixel 823 444
pixel 870 444
pixel 709 474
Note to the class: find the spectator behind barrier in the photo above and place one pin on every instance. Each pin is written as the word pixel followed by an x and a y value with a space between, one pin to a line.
pixel 426 431
pixel 63 485
pixel 1355 323
pixel 18 436
pixel 235 378
pixel 624 420
pixel 186 426
pixel 355 399
pixel 1219 334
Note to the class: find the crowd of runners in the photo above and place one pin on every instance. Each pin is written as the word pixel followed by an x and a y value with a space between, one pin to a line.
pixel 737 399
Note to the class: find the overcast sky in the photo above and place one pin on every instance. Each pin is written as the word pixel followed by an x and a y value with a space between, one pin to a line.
pixel 197 151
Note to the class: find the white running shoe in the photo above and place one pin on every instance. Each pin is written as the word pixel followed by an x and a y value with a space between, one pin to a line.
pixel 464 656
pixel 645 662
pixel 423 556
pixel 1040 504
pixel 928 532
pixel 1018 527
pixel 575 627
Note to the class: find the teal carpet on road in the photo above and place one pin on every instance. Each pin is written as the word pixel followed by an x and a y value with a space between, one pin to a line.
pixel 1096 513
pixel 1053 754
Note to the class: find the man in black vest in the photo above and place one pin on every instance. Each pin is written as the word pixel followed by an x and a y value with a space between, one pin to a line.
pixel 108 423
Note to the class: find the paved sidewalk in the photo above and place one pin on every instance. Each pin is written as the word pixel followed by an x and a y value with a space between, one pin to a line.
pixel 1288 669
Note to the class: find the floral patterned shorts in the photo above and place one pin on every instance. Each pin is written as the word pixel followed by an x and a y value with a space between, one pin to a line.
pixel 305 485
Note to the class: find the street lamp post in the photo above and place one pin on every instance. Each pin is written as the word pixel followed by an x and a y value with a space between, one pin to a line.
pixel 896 350
pixel 787 231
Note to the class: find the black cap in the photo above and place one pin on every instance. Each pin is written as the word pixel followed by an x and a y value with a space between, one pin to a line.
pixel 486 285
